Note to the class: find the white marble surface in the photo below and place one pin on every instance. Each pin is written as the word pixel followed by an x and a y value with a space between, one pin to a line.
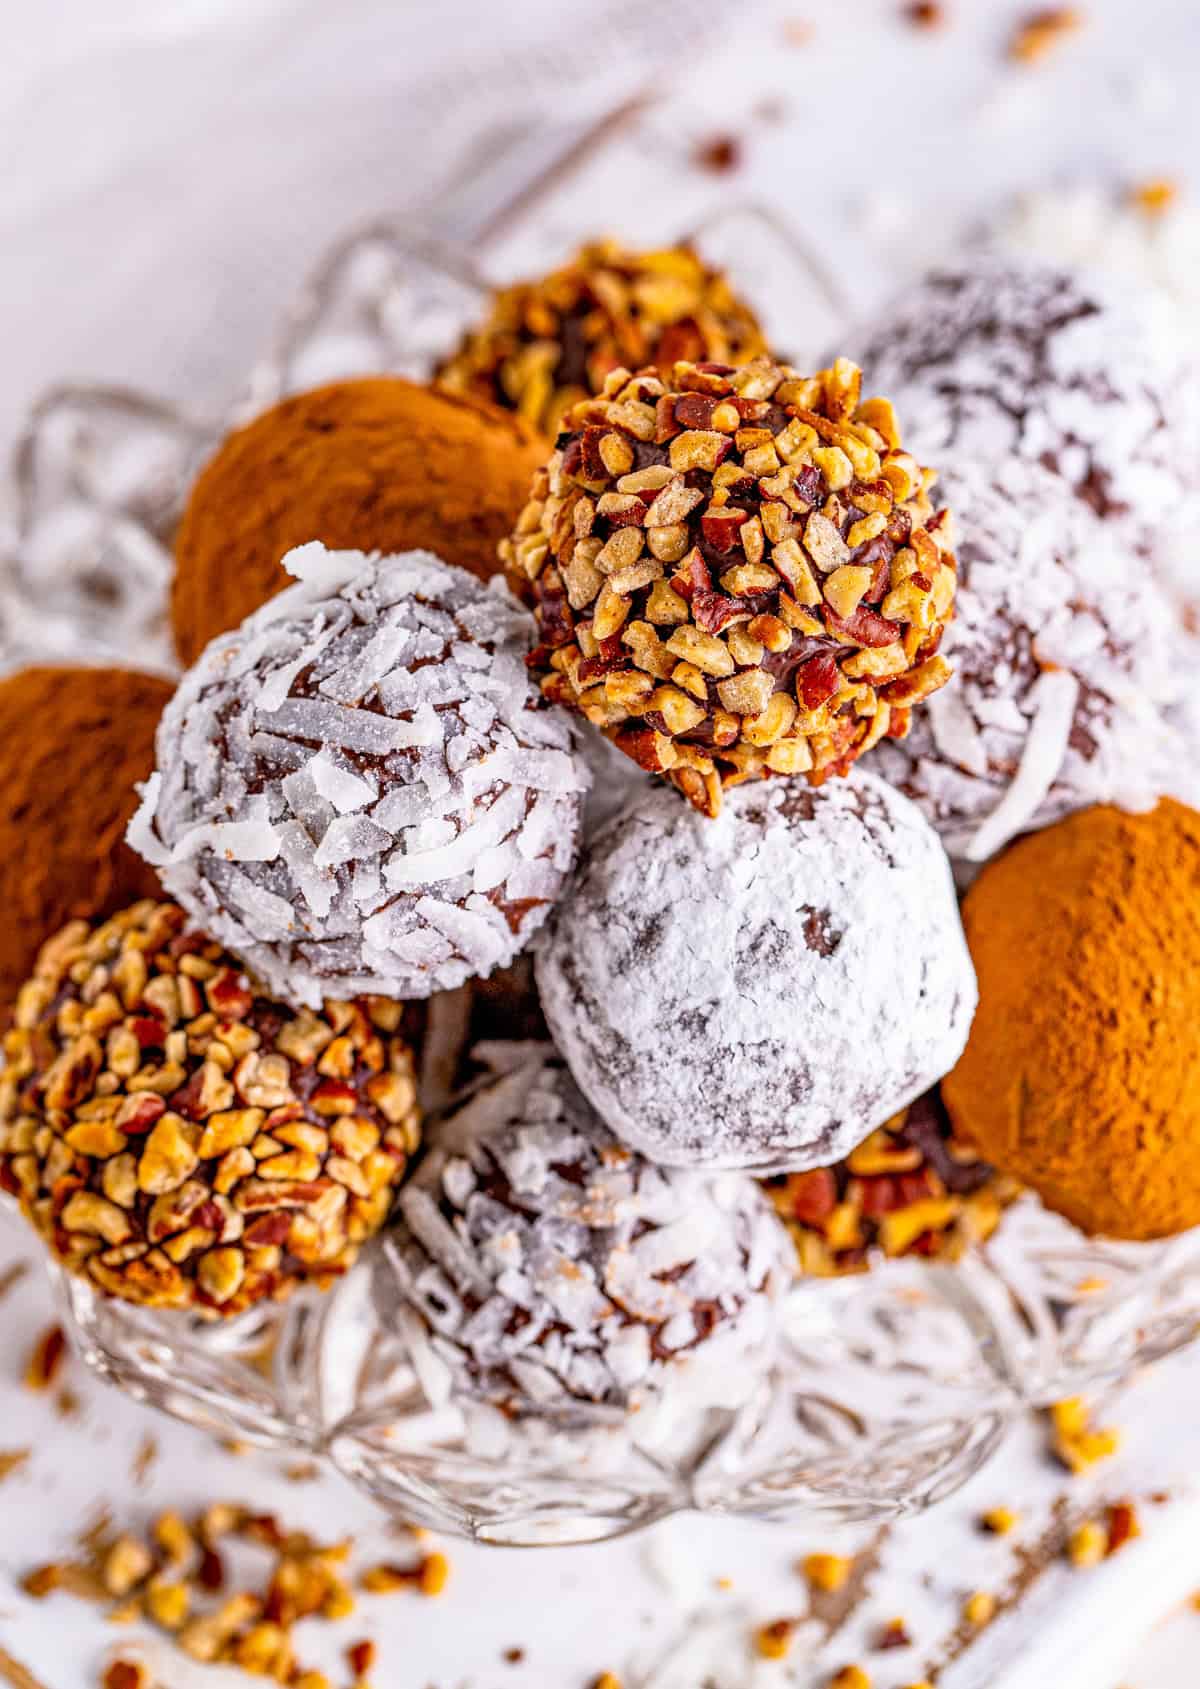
pixel 175 165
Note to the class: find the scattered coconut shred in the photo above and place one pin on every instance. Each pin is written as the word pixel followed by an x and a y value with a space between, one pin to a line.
pixel 359 789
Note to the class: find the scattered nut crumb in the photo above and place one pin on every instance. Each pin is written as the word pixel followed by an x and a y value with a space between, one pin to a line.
pixel 1042 31
pixel 1087 1544
pixel 850 1677
pixel 175 1577
pixel 1075 1442
pixel 513 1656
pixel 979 1609
pixel 361 1656
pixel 894 1634
pixel 1123 1526
pixel 774 1641
pixel 429 1576
pixel 720 153
pixel 925 14
pixel 827 1572
pixel 12 1460
pixel 606 1680
pixel 46 1359
pixel 1157 196
pixel 999 1521
pixel 127 1674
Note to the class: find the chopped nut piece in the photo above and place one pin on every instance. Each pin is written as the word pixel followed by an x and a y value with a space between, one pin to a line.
pixel 827 1572
pixel 850 1677
pixel 774 1641
pixel 1042 31
pixel 1076 1443
pixel 1157 196
pixel 1087 1544
pixel 999 1521
pixel 979 1609
pixel 46 1359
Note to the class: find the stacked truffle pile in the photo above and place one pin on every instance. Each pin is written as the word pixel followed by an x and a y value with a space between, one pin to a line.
pixel 369 791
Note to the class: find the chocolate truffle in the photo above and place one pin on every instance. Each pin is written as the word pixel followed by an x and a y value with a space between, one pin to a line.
pixel 736 573
pixel 764 990
pixel 1066 677
pixel 550 1265
pixel 546 343
pixel 372 465
pixel 910 1188
pixel 72 743
pixel 1082 1074
pixel 359 790
pixel 180 1140
pixel 997 357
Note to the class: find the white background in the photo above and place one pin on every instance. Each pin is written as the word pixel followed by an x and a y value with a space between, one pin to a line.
pixel 170 168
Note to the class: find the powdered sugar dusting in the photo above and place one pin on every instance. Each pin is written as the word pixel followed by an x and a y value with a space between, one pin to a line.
pixel 358 790
pixel 552 1266
pixel 764 989
pixel 1045 586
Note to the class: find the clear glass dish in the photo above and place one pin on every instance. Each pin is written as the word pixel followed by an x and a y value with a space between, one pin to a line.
pixel 889 1388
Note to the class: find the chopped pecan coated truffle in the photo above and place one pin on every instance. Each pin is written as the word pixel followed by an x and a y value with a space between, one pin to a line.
pixel 182 1141
pixel 547 343
pixel 736 573
pixel 909 1189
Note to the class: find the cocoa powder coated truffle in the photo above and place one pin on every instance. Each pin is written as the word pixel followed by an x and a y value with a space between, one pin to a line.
pixel 1082 1073
pixel 1067 680
pixel 360 789
pixel 546 343
pixel 763 990
pixel 371 465
pixel 182 1141
pixel 73 741
pixel 997 357
pixel 736 573
pixel 551 1265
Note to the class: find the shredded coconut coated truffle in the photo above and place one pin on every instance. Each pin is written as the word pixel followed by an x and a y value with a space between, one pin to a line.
pixel 357 791
pixel 736 572
pixel 1067 673
pixel 764 990
pixel 551 1265
pixel 998 357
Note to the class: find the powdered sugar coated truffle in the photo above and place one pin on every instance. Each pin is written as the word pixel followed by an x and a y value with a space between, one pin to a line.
pixel 997 356
pixel 551 1265
pixel 1066 672
pixel 357 790
pixel 761 990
